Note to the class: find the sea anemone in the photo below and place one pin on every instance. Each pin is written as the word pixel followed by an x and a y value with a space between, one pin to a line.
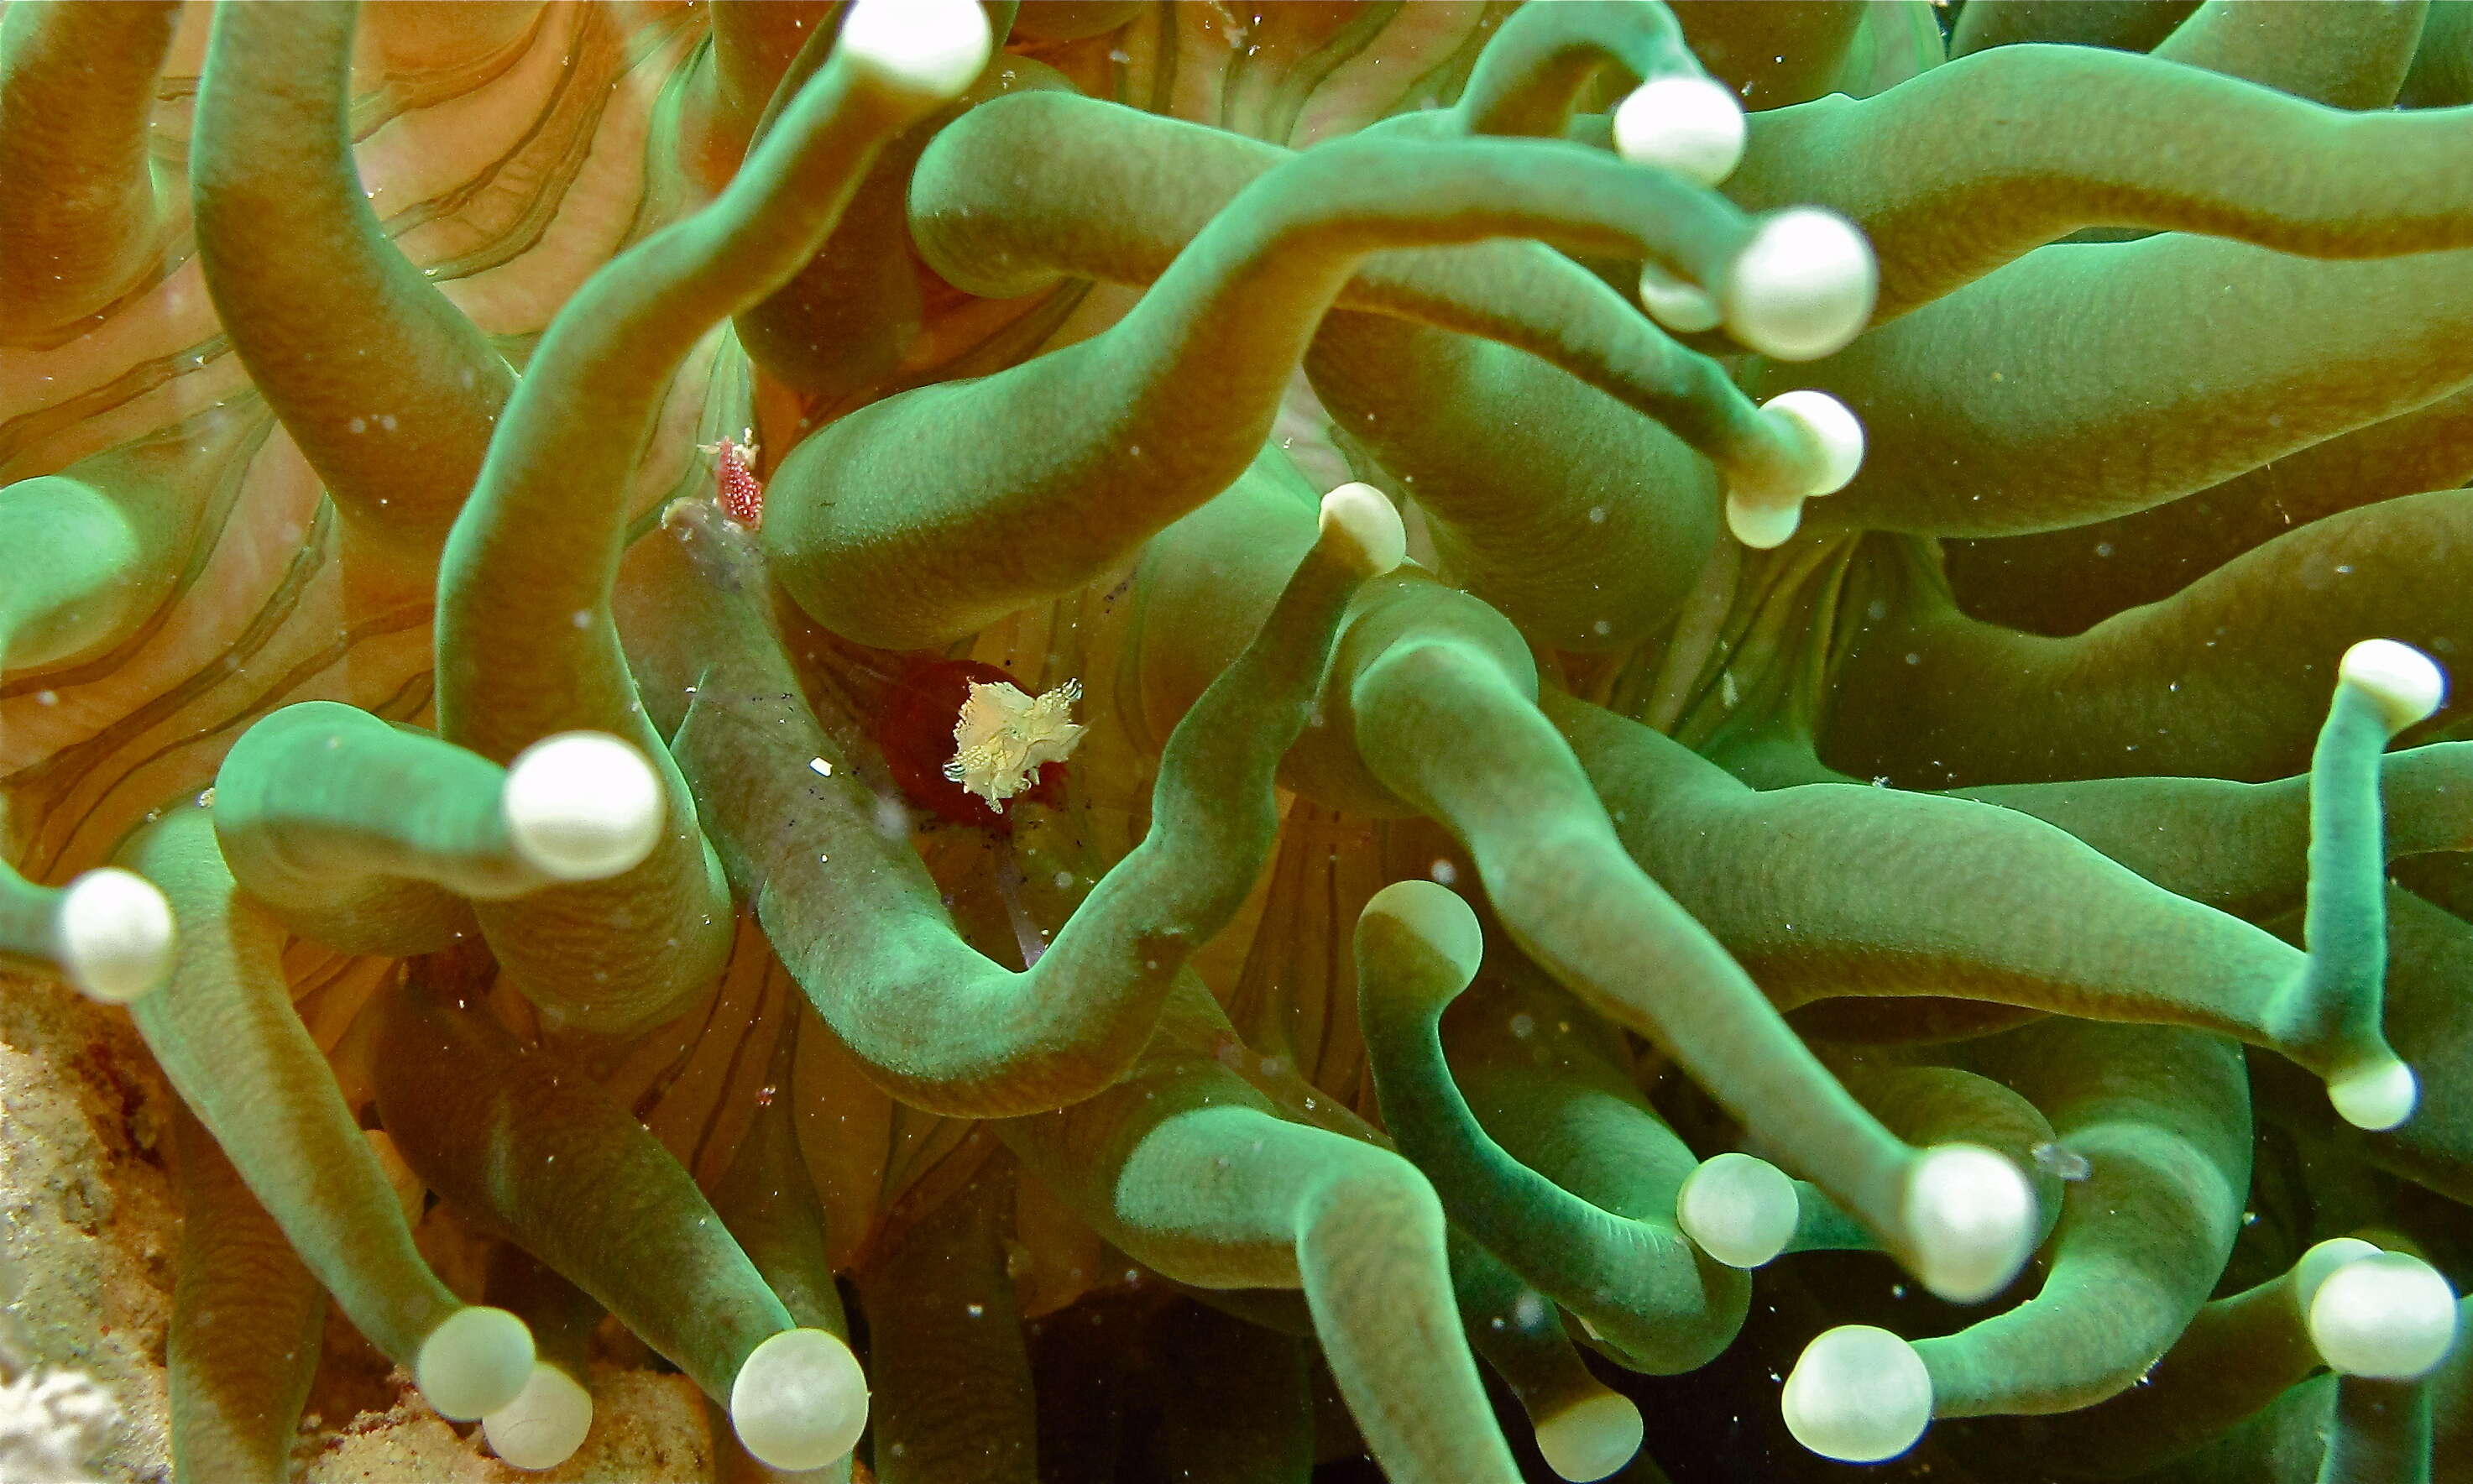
pixel 1081 741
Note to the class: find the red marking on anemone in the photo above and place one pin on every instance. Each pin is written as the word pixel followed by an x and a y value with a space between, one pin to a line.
pixel 914 729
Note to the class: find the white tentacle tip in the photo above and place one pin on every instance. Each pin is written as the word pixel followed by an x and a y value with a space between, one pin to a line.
pixel 1690 124
pixel 2322 1263
pixel 545 1424
pixel 112 933
pixel 583 807
pixel 477 1360
pixel 1858 1394
pixel 2376 1097
pixel 1365 515
pixel 1803 286
pixel 1970 1216
pixel 1827 442
pixel 2389 1316
pixel 1680 305
pixel 2406 685
pixel 1738 1210
pixel 799 1401
pixel 1591 1439
pixel 933 47
pixel 1437 918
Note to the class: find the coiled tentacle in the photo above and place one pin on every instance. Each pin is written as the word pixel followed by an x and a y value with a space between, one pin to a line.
pixel 1624 1271
pixel 1451 729
pixel 1185 1168
pixel 859 924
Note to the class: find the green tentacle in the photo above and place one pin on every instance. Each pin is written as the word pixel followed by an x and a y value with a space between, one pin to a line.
pixel 81 220
pixel 389 390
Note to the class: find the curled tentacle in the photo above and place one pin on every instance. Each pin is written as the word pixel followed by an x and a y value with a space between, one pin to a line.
pixel 1626 1271
pixel 858 923
pixel 2236 1356
pixel 535 550
pixel 1191 377
pixel 2162 1122
pixel 389 390
pixel 81 221
pixel 1448 725
pixel 538 1151
pixel 372 837
pixel 1185 1168
pixel 226 1035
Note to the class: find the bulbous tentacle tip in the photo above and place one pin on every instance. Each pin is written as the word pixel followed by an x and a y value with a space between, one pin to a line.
pixel 477 1361
pixel 2406 684
pixel 1362 516
pixel 1690 124
pixel 2376 1097
pixel 1591 1439
pixel 2322 1261
pixel 799 1401
pixel 930 47
pixel 2388 1316
pixel 545 1424
pixel 583 807
pixel 1827 444
pixel 1680 305
pixel 1858 1394
pixel 113 933
pixel 1437 918
pixel 1738 1209
pixel 1803 287
pixel 1970 1217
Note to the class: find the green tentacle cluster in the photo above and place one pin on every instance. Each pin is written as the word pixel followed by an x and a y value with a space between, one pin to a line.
pixel 1354 694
